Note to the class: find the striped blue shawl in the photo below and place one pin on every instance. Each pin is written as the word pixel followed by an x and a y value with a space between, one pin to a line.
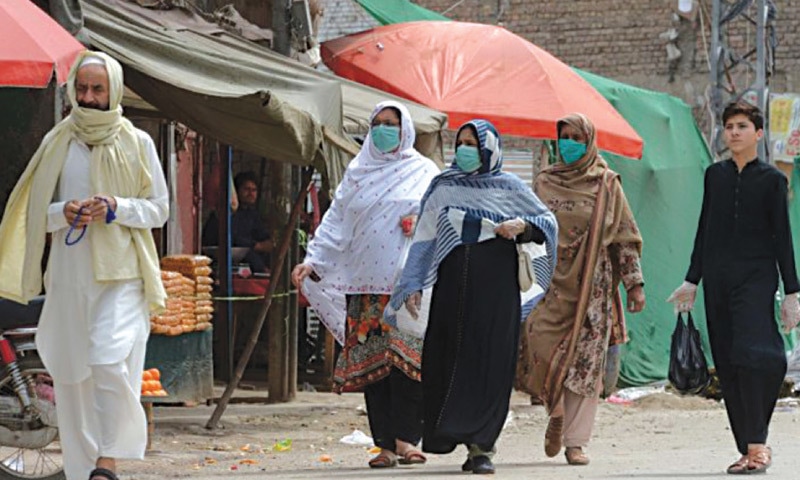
pixel 456 207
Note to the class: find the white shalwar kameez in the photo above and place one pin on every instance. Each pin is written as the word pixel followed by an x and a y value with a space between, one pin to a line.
pixel 92 336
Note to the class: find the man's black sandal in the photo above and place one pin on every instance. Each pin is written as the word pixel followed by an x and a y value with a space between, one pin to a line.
pixel 102 472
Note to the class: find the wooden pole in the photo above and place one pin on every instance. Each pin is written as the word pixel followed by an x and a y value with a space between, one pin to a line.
pixel 277 320
pixel 293 258
pixel 286 239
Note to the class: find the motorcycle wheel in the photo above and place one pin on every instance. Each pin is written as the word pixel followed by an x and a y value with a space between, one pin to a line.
pixel 23 463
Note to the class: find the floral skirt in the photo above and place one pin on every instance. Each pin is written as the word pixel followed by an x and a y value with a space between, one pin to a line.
pixel 372 348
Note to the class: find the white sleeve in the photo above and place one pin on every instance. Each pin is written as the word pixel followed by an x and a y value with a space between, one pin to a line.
pixel 151 212
pixel 331 238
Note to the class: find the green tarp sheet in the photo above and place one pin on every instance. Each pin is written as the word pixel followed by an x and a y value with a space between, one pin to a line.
pixel 791 340
pixel 388 12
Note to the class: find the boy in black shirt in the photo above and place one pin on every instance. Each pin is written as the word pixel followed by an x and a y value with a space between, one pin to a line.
pixel 743 239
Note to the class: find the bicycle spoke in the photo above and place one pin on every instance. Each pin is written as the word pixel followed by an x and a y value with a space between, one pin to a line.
pixel 3 461
pixel 39 458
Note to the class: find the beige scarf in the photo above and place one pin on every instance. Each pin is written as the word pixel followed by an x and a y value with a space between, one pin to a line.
pixel 119 167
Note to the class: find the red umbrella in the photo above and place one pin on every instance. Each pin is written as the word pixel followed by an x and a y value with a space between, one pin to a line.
pixel 32 46
pixel 473 70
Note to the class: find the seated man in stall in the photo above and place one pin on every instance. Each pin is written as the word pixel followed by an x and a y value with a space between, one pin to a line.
pixel 247 227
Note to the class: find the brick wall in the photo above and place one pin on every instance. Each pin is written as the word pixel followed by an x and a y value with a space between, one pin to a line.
pixel 620 38
pixel 343 17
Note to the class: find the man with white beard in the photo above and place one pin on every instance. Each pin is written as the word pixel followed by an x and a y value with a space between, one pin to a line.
pixel 97 186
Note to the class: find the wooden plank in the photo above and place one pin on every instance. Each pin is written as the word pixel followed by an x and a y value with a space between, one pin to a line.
pixel 151 424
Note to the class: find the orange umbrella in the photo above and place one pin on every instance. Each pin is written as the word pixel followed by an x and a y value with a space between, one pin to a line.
pixel 473 70
pixel 33 46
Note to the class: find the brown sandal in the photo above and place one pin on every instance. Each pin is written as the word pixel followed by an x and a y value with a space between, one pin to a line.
pixel 739 467
pixel 575 456
pixel 759 459
pixel 412 457
pixel 385 459
pixel 552 437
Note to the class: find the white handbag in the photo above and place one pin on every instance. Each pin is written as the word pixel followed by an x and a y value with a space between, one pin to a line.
pixel 527 277
pixel 405 322
pixel 415 327
pixel 526 252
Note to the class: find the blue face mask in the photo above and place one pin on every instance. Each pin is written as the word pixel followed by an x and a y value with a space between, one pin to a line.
pixel 571 151
pixel 385 137
pixel 468 158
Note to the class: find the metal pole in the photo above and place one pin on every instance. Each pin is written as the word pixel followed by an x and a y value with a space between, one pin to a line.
pixel 174 234
pixel 280 26
pixel 732 66
pixel 716 94
pixel 229 258
pixel 761 74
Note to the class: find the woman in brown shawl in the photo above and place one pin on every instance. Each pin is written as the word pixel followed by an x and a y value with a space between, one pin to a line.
pixel 565 338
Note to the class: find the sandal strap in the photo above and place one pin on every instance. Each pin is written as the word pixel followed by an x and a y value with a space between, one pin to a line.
pixel 384 459
pixel 103 472
pixel 739 465
pixel 576 454
pixel 759 458
pixel 741 461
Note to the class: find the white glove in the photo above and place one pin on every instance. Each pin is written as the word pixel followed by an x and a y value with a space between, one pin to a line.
pixel 790 312
pixel 413 302
pixel 683 297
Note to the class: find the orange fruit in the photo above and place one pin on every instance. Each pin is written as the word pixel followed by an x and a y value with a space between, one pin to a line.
pixel 155 374
pixel 147 375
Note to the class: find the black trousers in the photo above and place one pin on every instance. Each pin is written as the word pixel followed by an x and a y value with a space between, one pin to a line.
pixel 394 408
pixel 746 345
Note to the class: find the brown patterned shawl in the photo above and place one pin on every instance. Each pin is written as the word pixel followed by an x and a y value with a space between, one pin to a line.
pixel 571 192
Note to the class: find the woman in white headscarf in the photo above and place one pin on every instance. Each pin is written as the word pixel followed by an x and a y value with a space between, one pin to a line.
pixel 352 263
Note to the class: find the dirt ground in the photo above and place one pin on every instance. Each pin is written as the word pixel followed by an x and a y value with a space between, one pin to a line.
pixel 657 437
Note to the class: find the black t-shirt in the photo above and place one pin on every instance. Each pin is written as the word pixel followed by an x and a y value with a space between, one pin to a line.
pixel 745 218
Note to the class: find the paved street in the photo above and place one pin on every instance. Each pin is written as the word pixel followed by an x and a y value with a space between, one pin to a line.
pixel 660 437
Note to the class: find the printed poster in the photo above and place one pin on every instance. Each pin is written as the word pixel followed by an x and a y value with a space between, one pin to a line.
pixel 784 127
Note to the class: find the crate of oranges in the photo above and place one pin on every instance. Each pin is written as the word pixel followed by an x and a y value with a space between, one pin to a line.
pixel 151 384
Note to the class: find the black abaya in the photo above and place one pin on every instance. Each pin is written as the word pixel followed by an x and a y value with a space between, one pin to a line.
pixel 470 349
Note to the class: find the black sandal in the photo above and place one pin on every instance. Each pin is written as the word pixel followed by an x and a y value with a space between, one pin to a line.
pixel 103 472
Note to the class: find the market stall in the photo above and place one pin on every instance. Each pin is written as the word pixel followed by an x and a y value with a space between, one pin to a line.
pixel 180 344
pixel 254 108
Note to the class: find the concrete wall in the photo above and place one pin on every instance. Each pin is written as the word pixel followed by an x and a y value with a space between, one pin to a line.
pixel 343 17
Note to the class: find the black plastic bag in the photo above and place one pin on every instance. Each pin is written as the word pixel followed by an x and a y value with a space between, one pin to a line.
pixel 688 371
